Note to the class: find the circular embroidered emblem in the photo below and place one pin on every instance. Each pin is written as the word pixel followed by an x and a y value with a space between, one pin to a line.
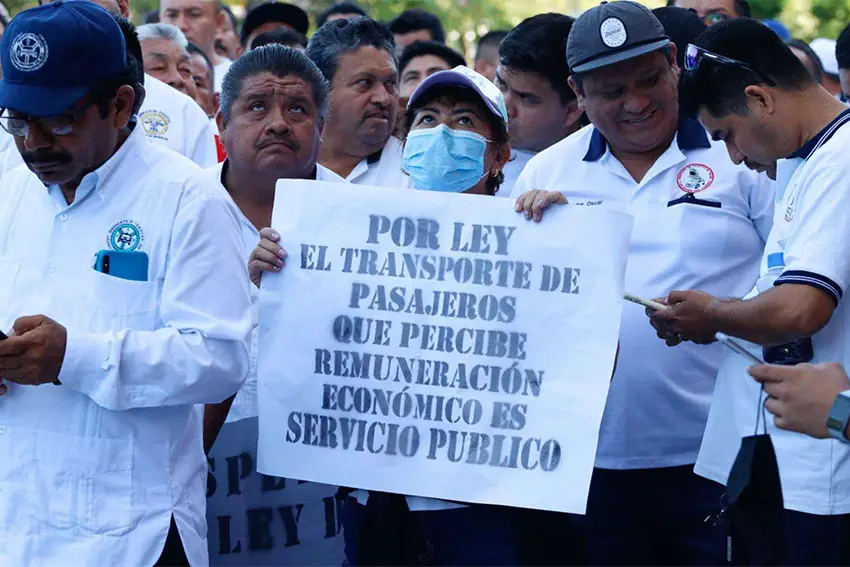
pixel 154 123
pixel 695 177
pixel 126 236
pixel 28 52
pixel 613 32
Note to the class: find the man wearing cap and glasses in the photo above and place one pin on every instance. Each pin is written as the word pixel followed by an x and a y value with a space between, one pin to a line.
pixel 103 463
pixel 700 221
pixel 751 92
pixel 168 116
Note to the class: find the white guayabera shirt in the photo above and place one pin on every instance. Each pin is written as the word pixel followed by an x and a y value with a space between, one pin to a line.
pixel 92 470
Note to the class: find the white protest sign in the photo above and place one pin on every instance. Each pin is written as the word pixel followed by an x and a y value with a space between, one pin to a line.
pixel 256 520
pixel 438 345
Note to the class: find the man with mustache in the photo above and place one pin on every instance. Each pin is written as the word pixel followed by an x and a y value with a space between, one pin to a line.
pixel 100 438
pixel 274 103
pixel 358 57
pixel 167 116
pixel 701 222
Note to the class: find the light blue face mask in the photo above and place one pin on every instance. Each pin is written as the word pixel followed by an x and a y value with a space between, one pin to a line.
pixel 442 159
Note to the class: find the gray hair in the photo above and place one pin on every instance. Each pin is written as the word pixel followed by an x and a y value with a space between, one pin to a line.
pixel 162 31
pixel 339 37
pixel 280 61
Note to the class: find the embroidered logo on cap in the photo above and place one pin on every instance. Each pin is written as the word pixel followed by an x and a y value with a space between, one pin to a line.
pixel 28 52
pixel 695 177
pixel 613 32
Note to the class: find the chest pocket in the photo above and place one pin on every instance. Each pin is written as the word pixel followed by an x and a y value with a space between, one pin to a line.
pixel 82 484
pixel 703 235
pixel 115 304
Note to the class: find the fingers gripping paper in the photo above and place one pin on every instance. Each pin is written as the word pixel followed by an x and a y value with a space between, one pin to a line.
pixel 438 345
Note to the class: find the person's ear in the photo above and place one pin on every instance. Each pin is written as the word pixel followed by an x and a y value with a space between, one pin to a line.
pixel 572 114
pixel 216 102
pixel 580 99
pixel 760 99
pixel 501 158
pixel 125 97
pixel 124 8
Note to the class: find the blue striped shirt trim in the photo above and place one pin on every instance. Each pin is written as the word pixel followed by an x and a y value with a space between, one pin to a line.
pixel 818 281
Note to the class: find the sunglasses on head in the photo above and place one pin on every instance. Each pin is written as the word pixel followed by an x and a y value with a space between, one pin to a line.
pixel 695 56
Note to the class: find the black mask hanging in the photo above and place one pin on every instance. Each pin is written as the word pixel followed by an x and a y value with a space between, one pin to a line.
pixel 754 494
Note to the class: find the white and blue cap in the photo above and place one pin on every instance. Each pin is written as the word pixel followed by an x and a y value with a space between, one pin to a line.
pixel 462 76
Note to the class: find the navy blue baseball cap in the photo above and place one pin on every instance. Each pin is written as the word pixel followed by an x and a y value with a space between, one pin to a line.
pixel 53 55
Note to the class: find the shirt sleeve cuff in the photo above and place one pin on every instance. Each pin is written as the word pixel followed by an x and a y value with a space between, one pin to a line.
pixel 86 358
pixel 818 281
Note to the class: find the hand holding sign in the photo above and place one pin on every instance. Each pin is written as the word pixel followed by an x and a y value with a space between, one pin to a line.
pixel 534 202
pixel 268 256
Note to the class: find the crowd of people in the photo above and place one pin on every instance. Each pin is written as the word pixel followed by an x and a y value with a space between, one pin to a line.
pixel 721 133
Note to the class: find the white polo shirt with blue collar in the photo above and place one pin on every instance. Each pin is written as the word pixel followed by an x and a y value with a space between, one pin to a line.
pixel 809 245
pixel 700 223
pixel 93 470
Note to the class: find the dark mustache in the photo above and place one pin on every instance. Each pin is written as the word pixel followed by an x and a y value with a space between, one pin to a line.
pixel 376 109
pixel 46 156
pixel 287 141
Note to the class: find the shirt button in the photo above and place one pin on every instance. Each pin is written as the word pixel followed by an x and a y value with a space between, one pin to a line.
pixel 63 217
pixel 51 268
pixel 2 430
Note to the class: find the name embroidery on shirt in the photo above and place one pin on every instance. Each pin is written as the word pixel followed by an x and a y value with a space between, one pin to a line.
pixel 125 236
pixel 695 177
pixel 155 123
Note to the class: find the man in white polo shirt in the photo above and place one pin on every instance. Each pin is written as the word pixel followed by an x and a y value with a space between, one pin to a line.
pixel 278 145
pixel 358 58
pixel 102 464
pixel 700 221
pixel 751 92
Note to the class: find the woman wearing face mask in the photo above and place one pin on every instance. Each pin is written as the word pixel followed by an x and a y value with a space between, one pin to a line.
pixel 455 140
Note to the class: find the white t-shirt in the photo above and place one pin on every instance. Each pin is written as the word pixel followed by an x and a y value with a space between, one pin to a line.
pixel 660 396
pixel 512 170
pixel 809 245
pixel 174 120
pixel 383 168
pixel 245 404
pixel 219 71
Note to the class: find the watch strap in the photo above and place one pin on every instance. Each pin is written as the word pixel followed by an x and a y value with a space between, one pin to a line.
pixel 839 417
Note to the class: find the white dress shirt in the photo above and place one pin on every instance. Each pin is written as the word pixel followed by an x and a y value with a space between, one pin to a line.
pixel 383 168
pixel 6 140
pixel 659 397
pixel 245 404
pixel 92 470
pixel 174 120
pixel 809 245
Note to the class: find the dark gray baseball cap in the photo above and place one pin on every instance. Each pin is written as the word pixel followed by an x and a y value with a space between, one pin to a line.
pixel 613 32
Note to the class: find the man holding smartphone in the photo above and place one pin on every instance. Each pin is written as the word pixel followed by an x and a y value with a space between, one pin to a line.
pixel 750 91
pixel 101 456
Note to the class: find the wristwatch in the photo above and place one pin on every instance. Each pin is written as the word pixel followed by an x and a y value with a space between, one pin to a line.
pixel 839 417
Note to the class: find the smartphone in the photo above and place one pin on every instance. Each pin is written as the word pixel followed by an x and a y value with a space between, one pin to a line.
pixel 131 266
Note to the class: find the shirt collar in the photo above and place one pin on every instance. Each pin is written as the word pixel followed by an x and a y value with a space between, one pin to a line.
pixel 691 136
pixel 822 137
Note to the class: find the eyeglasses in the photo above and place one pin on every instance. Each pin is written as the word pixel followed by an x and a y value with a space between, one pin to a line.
pixel 695 56
pixel 62 125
